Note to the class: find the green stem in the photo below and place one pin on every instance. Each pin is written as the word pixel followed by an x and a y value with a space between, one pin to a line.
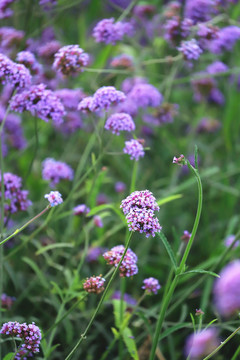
pixel 134 176
pixel 83 336
pixel 236 353
pixel 222 344
pixel 169 293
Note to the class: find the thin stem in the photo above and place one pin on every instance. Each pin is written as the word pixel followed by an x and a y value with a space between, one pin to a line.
pixel 222 344
pixel 168 60
pixel 17 231
pixel 83 336
pixel 134 176
pixel 236 353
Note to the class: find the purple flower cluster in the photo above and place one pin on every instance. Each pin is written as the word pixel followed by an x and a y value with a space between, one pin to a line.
pixel 15 74
pixel 217 67
pixel 120 122
pixel 120 186
pixel 7 301
pixel 126 297
pixel 70 60
pixel 180 160
pixel 47 4
pixel 5 12
pixel 41 102
pixel 10 37
pixel 226 39
pixel 48 49
pixel 176 30
pixel 128 266
pixel 29 334
pixel 227 290
pixel 15 198
pixel 55 171
pixel 151 285
pixel 190 50
pixel 94 253
pixel 205 89
pixel 94 284
pixel 122 61
pixel 199 10
pixel 145 95
pixel 229 240
pixel 166 112
pixel 139 208
pixel 54 198
pixel 186 236
pixel 109 32
pixel 134 148
pixel 81 209
pixel 201 344
pixel 28 59
pixel 70 97
pixel 208 125
pixel 97 221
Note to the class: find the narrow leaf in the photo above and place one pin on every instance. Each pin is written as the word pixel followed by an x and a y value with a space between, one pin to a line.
pixel 169 249
pixel 38 272
pixel 9 356
pixel 169 199
pixel 53 246
pixel 128 338
pixel 200 271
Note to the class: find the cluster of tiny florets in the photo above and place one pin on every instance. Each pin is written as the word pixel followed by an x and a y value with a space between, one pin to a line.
pixel 122 61
pixel 14 197
pixel 151 285
pixel 94 284
pixel 70 60
pixel 176 30
pixel 54 198
pixel 145 95
pixel 30 335
pixel 41 102
pixel 120 122
pixel 81 209
pixel 190 50
pixel 5 12
pixel 134 148
pixel 7 301
pixel 56 171
pixel 28 59
pixel 15 74
pixel 179 160
pixel 128 266
pixel 139 208
pixel 109 32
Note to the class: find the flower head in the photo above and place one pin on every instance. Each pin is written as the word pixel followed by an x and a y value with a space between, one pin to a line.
pixel 81 209
pixel 15 74
pixel 106 96
pixel 85 104
pixel 128 266
pixel 55 171
pixel 97 221
pixel 134 148
pixel 229 240
pixel 120 122
pixel 28 59
pixel 70 60
pixel 109 32
pixel 5 12
pixel 122 61
pixel 151 285
pixel 145 95
pixel 139 200
pixel 54 198
pixel 126 297
pixel 202 343
pixel 7 301
pixel 180 160
pixel 94 253
pixel 176 30
pixel 186 236
pixel 190 50
pixel 120 186
pixel 94 284
pixel 226 39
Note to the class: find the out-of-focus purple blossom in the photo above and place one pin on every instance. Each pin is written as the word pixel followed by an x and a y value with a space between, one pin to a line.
pixel 94 284
pixel 129 83
pixel 143 221
pixel 128 106
pixel 70 97
pixel 227 290
pixel 54 198
pixel 134 148
pixel 126 297
pixel 199 10
pixel 97 221
pixel 7 301
pixel 48 49
pixel 190 50
pixel 72 122
pixel 216 97
pixel 143 199
pixel 70 60
pixel 81 209
pixel 47 4
pixel 109 32
pixel 128 266
pixel 163 115
pixel 10 37
pixel 172 9
pixel 122 61
pixel 186 236
pixel 205 89
pixel 226 39
pixel 177 29
pixel 94 253
pixel 179 160
pixel 120 186
pixel 151 285
pixel 217 67
pixel 144 11
pixel 41 102
pixel 106 96
pixel 102 199
pixel 28 59
pixel 85 104
pixel 208 125
pixel 29 334
pixel 119 3
pixel 15 74
pixel 201 344
pixel 199 312
pixel 207 32
pixel 15 199
pixel 5 12
pixel 229 240
pixel 145 95
pixel 120 122
pixel 56 171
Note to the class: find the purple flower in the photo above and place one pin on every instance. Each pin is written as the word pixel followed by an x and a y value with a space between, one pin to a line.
pixel 106 96
pixel 81 209
pixel 55 171
pixel 97 221
pixel 201 343
pixel 180 160
pixel 143 221
pixel 227 290
pixel 70 97
pixel 70 60
pixel 229 240
pixel 129 83
pixel 15 74
pixel 151 285
pixel 208 125
pixel 217 67
pixel 28 59
pixel 176 30
pixel 126 297
pixel 7 301
pixel 94 284
pixel 85 104
pixel 119 122
pixel 190 50
pixel 29 334
pixel 47 4
pixel 5 12
pixel 186 236
pixel 145 95
pixel 54 198
pixel 41 102
pixel 48 49
pixel 109 33
pixel 143 199
pixel 120 186
pixel 128 266
pixel 134 148
pixel 205 89
pixel 94 253
pixel 226 39
pixel 15 198
pixel 10 37
pixel 206 33
pixel 122 61
pixel 199 10
pixel 71 124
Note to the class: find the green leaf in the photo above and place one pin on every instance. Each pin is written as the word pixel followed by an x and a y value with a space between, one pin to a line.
pixel 201 271
pixel 57 289
pixel 53 246
pixel 38 272
pixel 115 333
pixel 130 343
pixel 174 328
pixel 169 198
pixel 117 311
pixel 169 249
pixel 9 356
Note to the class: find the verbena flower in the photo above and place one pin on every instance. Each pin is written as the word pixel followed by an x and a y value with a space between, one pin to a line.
pixel 217 67
pixel 119 122
pixel 134 148
pixel 201 344
pixel 7 301
pixel 47 4
pixel 41 102
pixel 81 209
pixel 70 60
pixel 109 32
pixel 176 30
pixel 186 236
pixel 227 290
pixel 199 10
pixel 94 284
pixel 126 297
pixel 48 49
pixel 229 240
pixel 97 221
pixel 139 200
pixel 15 198
pixel 15 74
pixel 72 122
pixel 30 335
pixel 106 96
pixel 54 198
pixel 129 83
pixel 190 50
pixel 70 97
pixel 122 61
pixel 28 59
pixel 120 186
pixel 180 160
pixel 208 125
pixel 56 171
pixel 226 39
pixel 5 12
pixel 128 266
pixel 94 253
pixel 145 95
pixel 85 104
pixel 10 37
pixel 151 285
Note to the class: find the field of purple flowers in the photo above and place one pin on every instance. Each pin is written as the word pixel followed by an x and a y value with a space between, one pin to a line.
pixel 119 179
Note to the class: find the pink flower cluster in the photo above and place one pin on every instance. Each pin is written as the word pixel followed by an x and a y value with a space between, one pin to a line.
pixel 70 60
pixel 120 122
pixel 94 284
pixel 128 266
pixel 55 171
pixel 109 32
pixel 151 285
